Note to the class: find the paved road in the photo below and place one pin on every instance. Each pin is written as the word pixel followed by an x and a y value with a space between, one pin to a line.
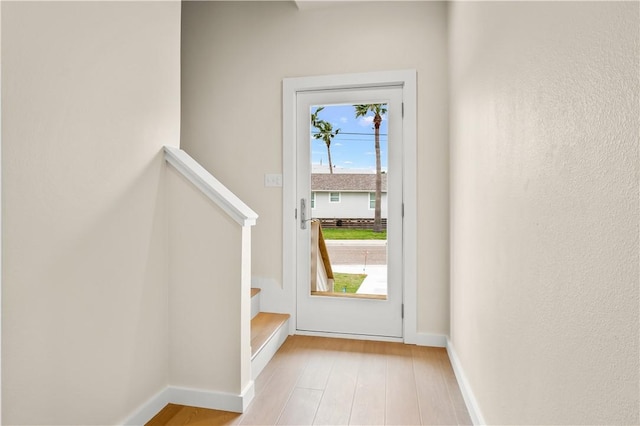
pixel 357 253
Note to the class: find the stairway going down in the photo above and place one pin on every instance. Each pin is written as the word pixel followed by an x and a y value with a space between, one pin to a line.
pixel 268 333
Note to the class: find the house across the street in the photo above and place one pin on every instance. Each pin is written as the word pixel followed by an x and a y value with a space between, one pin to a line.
pixel 346 196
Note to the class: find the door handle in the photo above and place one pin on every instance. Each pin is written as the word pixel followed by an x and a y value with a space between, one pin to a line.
pixel 303 213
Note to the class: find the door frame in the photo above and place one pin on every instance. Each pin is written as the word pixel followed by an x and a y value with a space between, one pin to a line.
pixel 290 87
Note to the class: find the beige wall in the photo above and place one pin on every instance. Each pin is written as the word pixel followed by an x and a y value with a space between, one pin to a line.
pixel 90 94
pixel 544 200
pixel 235 55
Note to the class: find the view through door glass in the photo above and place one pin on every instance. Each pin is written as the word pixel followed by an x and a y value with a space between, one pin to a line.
pixel 349 170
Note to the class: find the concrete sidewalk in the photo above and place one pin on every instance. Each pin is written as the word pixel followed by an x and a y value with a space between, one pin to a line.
pixel 374 283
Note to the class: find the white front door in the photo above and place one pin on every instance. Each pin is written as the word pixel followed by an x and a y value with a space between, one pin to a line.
pixel 379 313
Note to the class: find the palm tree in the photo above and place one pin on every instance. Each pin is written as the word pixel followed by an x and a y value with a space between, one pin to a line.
pixel 378 110
pixel 325 132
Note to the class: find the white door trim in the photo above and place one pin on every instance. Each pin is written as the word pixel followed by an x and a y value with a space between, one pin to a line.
pixel 362 316
pixel 1 201
pixel 291 86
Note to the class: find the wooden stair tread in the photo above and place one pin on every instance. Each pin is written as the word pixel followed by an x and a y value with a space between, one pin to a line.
pixel 254 291
pixel 263 326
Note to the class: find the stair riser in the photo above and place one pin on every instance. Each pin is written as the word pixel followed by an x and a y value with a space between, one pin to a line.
pixel 255 305
pixel 262 358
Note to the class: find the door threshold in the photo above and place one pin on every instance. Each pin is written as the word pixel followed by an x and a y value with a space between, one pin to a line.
pixel 350 336
pixel 349 295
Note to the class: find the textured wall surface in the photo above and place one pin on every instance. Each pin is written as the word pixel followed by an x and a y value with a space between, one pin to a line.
pixel 544 204
pixel 91 92
pixel 235 55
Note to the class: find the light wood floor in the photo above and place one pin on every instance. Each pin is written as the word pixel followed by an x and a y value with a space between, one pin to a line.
pixel 315 380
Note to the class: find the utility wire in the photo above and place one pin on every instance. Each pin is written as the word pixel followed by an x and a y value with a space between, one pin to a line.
pixel 353 133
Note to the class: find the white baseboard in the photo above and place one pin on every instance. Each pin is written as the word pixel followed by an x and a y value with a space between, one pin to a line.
pixel 212 400
pixel 469 398
pixel 193 398
pixel 426 339
pixel 149 409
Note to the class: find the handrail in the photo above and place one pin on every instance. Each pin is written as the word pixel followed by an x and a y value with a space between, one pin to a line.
pixel 210 186
pixel 320 262
pixel 324 253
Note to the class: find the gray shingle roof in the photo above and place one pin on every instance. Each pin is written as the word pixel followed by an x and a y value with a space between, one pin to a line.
pixel 346 182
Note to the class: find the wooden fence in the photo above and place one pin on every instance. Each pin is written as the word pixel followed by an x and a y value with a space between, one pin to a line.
pixel 350 223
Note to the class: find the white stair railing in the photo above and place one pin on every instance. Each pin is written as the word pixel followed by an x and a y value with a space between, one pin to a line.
pixel 209 288
pixel 210 186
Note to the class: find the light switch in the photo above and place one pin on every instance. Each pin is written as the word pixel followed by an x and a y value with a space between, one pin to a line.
pixel 271 180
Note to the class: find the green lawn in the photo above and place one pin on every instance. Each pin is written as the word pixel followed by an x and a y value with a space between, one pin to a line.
pixel 352 282
pixel 352 234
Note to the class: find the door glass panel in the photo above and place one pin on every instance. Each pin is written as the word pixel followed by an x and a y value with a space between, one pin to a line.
pixel 349 170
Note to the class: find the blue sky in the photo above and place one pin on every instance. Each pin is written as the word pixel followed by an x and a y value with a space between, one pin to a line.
pixel 353 147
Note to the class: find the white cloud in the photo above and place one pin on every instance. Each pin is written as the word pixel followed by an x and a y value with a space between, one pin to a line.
pixel 366 121
pixel 347 162
pixel 337 144
pixel 344 119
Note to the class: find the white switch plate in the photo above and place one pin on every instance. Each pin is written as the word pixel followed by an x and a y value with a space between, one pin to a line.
pixel 271 180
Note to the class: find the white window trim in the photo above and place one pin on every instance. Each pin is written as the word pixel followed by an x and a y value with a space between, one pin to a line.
pixel 339 197
pixel 284 298
pixel 374 200
pixel 313 200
